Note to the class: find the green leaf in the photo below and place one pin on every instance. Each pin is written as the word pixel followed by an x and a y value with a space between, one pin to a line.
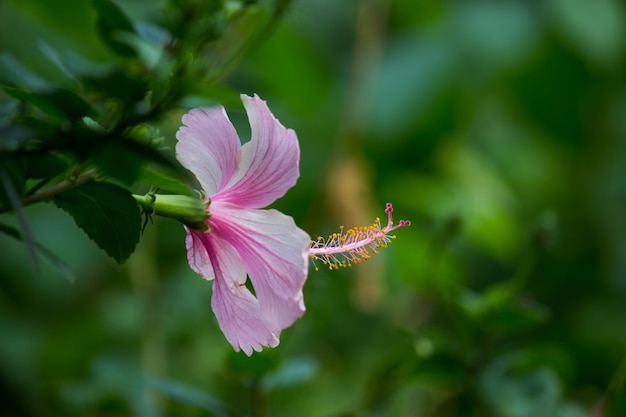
pixel 252 367
pixel 150 52
pixel 43 164
pixel 123 159
pixel 441 370
pixel 14 137
pixel 120 85
pixel 13 200
pixel 536 392
pixel 11 168
pixel 42 251
pixel 199 93
pixel 112 22
pixel 113 159
pixel 27 133
pixel 389 375
pixel 107 213
pixel 292 372
pixel 58 104
pixel 163 182
pixel 189 396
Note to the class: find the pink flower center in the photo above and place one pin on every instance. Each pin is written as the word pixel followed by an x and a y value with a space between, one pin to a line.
pixel 354 245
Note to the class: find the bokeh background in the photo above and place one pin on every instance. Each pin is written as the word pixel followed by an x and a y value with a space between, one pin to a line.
pixel 497 127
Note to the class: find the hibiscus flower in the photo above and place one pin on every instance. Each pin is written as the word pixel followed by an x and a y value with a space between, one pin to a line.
pixel 242 239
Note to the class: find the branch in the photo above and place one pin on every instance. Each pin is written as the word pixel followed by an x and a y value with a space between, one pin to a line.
pixel 51 192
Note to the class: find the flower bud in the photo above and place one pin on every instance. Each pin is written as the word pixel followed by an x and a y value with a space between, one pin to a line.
pixel 191 211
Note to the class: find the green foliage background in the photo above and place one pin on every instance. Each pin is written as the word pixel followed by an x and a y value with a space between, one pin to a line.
pixel 497 128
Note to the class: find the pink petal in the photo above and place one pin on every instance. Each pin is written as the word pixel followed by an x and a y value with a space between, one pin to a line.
pixel 197 255
pixel 274 251
pixel 239 318
pixel 279 313
pixel 268 164
pixel 208 147
pixel 236 309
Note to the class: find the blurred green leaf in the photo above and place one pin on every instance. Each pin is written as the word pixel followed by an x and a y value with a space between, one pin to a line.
pixel 111 23
pixel 13 72
pixel 413 73
pixel 597 29
pixel 119 84
pixel 205 94
pixel 443 371
pixel 501 310
pixel 516 316
pixel 162 182
pixel 390 373
pixel 54 261
pixel 27 133
pixel 535 393
pixel 12 174
pixel 616 404
pixel 11 198
pixel 550 87
pixel 150 52
pixel 117 160
pixel 190 396
pixel 256 366
pixel 123 159
pixel 290 373
pixel 58 104
pixel 39 165
pixel 107 213
pixel 14 137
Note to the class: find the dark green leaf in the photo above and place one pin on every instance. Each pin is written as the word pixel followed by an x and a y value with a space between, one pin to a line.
pixel 13 137
pixel 113 159
pixel 108 214
pixel 616 404
pixel 13 201
pixel 516 316
pixel 42 251
pixel 391 372
pixel 111 22
pixel 15 175
pixel 203 94
pixel 29 134
pixel 42 164
pixel 567 78
pixel 59 104
pixel 120 85
pixel 123 159
pixel 254 366
pixel 441 370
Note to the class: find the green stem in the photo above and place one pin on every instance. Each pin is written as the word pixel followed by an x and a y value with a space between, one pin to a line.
pixel 51 192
